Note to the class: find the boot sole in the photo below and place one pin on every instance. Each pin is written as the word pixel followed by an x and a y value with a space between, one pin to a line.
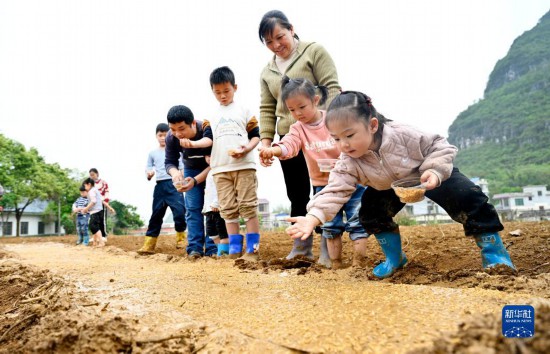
pixel 143 253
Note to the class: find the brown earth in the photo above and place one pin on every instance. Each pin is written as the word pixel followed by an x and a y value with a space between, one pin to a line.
pixel 58 297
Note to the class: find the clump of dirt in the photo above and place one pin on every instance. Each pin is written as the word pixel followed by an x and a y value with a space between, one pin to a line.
pixel 40 312
pixel 483 335
pixel 301 263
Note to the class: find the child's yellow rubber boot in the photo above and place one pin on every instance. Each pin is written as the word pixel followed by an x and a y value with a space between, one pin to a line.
pixel 180 239
pixel 148 246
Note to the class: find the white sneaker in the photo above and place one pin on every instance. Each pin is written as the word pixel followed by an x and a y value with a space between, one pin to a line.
pixel 104 239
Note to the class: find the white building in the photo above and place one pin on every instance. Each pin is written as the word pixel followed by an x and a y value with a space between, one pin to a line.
pixel 32 223
pixel 533 204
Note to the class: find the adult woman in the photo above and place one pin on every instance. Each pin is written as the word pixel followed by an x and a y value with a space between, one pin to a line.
pixel 295 59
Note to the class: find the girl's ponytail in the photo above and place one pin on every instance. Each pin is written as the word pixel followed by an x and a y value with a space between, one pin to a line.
pixel 324 94
pixel 284 81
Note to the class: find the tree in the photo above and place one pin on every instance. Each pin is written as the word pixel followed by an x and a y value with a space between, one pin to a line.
pixel 126 217
pixel 27 177
pixel 64 192
pixel 24 176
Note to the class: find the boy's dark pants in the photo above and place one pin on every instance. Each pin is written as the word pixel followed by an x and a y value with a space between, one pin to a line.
pixel 297 183
pixel 164 196
pixel 215 225
pixel 461 198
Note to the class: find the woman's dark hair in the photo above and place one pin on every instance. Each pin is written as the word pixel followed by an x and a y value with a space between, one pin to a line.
pixel 270 20
pixel 361 107
pixel 94 170
pixel 301 86
pixel 178 114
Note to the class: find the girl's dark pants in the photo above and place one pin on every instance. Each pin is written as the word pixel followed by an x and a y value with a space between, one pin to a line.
pixel 461 198
pixel 297 183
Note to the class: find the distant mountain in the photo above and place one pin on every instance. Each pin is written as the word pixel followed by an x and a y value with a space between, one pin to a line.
pixel 505 137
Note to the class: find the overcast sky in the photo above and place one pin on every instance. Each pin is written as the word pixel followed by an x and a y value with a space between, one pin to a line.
pixel 86 82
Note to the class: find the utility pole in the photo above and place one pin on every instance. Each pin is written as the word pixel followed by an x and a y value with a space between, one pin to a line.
pixel 58 216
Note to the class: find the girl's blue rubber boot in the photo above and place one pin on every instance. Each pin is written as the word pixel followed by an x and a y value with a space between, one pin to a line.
pixel 235 246
pixel 493 251
pixel 390 242
pixel 302 248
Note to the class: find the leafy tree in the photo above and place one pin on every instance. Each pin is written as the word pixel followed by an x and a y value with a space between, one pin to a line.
pixel 25 177
pixel 65 191
pixel 126 218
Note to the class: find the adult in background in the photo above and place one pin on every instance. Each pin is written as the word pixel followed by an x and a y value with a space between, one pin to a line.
pixel 184 129
pixel 296 59
pixel 103 189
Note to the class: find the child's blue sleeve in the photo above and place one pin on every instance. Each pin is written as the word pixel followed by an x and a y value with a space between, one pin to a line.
pixel 150 162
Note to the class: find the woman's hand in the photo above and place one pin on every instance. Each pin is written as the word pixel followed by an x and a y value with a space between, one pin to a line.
pixel 266 156
pixel 303 226
pixel 266 142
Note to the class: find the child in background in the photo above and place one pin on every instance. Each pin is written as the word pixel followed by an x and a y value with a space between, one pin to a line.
pixel 164 196
pixel 103 188
pixel 377 152
pixel 95 208
pixel 215 224
pixel 235 133
pixel 310 135
pixel 81 218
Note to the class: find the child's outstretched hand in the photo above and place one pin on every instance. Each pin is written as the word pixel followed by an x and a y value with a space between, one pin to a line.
pixel 238 152
pixel 430 180
pixel 266 156
pixel 303 226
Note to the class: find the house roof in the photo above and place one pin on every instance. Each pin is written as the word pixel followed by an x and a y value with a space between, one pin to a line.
pixel 512 195
pixel 36 207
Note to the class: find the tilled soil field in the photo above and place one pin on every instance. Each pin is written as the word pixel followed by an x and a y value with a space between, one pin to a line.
pixel 59 297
